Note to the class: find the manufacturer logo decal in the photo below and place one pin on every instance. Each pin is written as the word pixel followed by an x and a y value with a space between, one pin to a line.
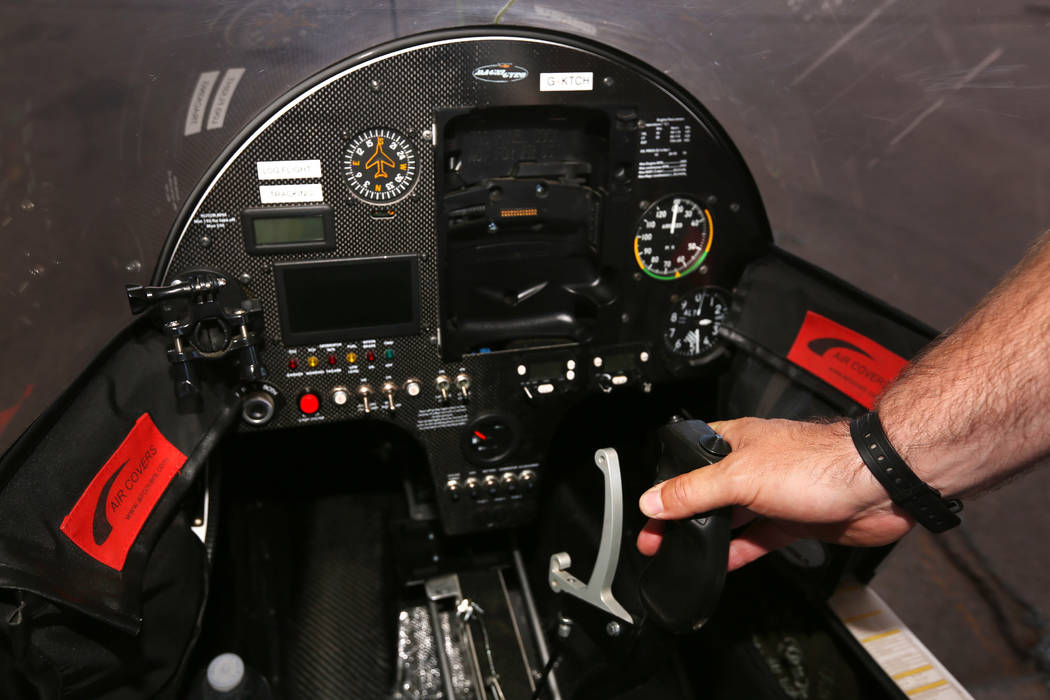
pixel 821 346
pixel 112 510
pixel 500 73
pixel 854 364
pixel 100 527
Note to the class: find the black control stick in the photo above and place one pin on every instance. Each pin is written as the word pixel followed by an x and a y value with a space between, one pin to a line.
pixel 681 585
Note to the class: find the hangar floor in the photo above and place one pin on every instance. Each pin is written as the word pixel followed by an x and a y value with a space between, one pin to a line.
pixel 962 604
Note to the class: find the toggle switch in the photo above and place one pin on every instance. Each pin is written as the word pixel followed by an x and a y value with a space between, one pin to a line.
pixel 365 392
pixel 442 383
pixel 463 384
pixel 389 389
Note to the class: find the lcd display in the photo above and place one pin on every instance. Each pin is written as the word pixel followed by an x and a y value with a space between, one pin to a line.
pixel 620 362
pixel 288 229
pixel 348 299
pixel 551 369
pixel 272 230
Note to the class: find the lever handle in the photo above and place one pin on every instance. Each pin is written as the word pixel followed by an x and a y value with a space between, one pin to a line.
pixel 598 591
pixel 682 584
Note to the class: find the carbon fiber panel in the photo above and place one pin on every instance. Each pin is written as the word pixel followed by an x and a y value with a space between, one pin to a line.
pixel 408 89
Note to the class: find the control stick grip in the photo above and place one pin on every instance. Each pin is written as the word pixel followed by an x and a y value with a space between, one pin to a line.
pixel 683 582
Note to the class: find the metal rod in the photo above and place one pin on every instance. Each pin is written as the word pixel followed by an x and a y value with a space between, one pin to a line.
pixel 534 620
pixel 517 632
pixel 446 669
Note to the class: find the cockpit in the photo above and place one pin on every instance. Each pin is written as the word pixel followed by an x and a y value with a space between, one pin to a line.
pixel 412 348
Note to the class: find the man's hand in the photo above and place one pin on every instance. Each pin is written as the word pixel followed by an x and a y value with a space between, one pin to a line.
pixel 805 480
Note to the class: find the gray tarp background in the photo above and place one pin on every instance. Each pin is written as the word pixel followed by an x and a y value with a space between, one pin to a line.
pixel 902 144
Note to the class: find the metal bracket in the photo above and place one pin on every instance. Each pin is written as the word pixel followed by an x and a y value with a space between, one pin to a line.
pixel 598 591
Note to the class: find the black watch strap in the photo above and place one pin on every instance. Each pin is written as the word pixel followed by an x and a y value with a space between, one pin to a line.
pixel 922 501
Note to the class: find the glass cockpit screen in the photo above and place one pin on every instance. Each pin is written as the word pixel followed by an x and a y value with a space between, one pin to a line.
pixel 348 299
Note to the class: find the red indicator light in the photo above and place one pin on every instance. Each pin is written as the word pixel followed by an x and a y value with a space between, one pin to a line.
pixel 309 403
pixel 331 359
pixel 293 363
pixel 478 433
pixel 371 356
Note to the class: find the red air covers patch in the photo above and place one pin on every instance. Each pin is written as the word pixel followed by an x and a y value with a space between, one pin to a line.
pixel 113 508
pixel 855 365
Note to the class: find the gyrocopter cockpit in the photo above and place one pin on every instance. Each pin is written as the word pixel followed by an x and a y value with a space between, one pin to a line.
pixel 413 346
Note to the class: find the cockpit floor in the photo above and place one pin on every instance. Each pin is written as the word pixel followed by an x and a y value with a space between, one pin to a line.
pixel 337 630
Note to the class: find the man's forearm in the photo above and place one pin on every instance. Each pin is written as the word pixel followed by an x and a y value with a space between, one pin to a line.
pixel 974 409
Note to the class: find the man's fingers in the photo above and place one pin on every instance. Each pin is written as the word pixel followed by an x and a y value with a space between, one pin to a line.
pixel 698 491
pixel 650 537
pixel 758 540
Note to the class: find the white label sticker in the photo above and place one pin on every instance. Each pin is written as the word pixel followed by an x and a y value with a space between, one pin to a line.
pixel 288 169
pixel 284 194
pixel 199 101
pixel 566 82
pixel 221 103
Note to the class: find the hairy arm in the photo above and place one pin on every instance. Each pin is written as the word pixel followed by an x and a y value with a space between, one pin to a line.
pixel 968 413
pixel 973 409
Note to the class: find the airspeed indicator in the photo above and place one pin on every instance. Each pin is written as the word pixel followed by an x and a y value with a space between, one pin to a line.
pixel 673 237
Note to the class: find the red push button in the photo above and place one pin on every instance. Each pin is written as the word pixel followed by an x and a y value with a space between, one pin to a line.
pixel 309 403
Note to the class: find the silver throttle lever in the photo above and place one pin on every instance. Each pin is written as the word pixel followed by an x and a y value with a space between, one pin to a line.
pixel 598 591
pixel 683 582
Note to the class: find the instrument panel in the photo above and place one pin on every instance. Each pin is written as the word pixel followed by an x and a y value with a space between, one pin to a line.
pixel 463 234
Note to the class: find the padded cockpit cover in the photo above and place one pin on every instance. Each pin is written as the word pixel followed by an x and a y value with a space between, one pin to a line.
pixel 112 616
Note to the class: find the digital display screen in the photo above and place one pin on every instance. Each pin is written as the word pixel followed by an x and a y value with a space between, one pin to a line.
pixel 288 229
pixel 272 230
pixel 620 362
pixel 348 299
pixel 547 370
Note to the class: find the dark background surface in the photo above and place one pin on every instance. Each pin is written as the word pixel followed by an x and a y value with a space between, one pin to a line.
pixel 901 144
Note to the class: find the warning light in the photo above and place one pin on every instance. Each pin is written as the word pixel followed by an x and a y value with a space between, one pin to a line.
pixel 312 361
pixel 371 356
pixel 331 360
pixel 389 353
pixel 292 363
pixel 351 357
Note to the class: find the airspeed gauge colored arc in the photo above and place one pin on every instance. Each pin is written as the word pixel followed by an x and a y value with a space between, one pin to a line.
pixel 673 237
pixel 380 166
